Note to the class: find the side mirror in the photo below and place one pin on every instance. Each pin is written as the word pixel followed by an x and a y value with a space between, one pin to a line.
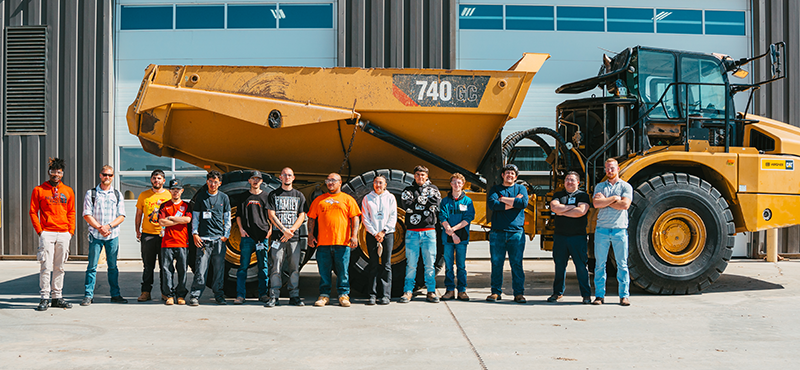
pixel 775 59
pixel 740 73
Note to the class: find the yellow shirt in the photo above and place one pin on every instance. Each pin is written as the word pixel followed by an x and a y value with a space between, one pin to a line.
pixel 148 203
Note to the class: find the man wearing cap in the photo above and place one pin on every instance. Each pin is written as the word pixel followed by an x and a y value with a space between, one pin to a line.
pixel 175 216
pixel 150 233
pixel 253 222
pixel 507 202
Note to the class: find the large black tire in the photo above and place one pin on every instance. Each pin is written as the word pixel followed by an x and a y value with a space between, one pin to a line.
pixel 681 234
pixel 359 187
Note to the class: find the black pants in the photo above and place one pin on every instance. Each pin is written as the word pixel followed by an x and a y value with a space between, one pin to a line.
pixel 151 254
pixel 563 248
pixel 173 287
pixel 379 273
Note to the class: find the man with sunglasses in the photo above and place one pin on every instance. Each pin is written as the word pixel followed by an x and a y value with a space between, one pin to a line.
pixel 150 233
pixel 53 216
pixel 104 211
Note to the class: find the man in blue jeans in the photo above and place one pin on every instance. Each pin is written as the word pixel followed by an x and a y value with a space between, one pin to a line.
pixel 103 210
pixel 507 202
pixel 569 237
pixel 457 211
pixel 612 198
pixel 254 226
pixel 211 227
pixel 421 202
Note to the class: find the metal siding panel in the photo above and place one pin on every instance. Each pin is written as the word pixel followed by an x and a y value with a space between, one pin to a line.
pixel 452 32
pixel 415 34
pixel 341 55
pixel 436 34
pixel 105 83
pixel 356 39
pixel 31 162
pixel 52 142
pixel 377 27
pixel 3 213
pixel 15 202
pixel 396 47
pixel 69 83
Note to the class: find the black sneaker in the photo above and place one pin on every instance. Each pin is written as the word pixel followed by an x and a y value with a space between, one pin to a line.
pixel 554 298
pixel 296 301
pixel 220 301
pixel 43 304
pixel 118 299
pixel 384 301
pixel 60 303
pixel 87 301
pixel 272 302
pixel 372 301
pixel 194 302
pixel 263 299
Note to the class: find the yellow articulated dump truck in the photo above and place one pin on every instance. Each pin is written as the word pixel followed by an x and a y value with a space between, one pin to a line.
pixel 701 172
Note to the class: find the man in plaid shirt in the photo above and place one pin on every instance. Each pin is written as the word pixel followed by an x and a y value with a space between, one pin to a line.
pixel 103 210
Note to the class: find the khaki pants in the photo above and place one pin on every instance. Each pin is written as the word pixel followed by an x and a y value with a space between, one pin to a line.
pixel 53 252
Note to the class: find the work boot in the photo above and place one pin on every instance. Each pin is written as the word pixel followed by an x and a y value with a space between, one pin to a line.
pixel 462 296
pixel 432 298
pixel 384 301
pixel 519 298
pixel 322 301
pixel 144 297
pixel 118 299
pixel 238 300
pixel 181 301
pixel 60 303
pixel 344 301
pixel 86 301
pixel 493 297
pixel 169 301
pixel 624 301
pixel 43 304
pixel 220 301
pixel 598 301
pixel 263 299
pixel 448 295
pixel 372 301
pixel 405 298
pixel 194 302
pixel 587 300
pixel 554 298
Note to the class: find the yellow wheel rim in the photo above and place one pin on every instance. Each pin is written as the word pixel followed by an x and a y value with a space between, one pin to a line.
pixel 233 250
pixel 679 236
pixel 398 254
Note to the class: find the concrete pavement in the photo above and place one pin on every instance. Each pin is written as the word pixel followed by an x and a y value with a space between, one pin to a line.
pixel 746 320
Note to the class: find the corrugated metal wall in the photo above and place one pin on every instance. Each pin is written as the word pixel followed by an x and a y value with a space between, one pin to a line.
pixel 397 33
pixel 78 107
pixel 773 21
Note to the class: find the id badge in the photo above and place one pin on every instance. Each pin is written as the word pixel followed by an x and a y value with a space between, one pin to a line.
pixel 206 215
pixel 179 214
pixel 379 215
pixel 462 207
pixel 276 243
pixel 571 200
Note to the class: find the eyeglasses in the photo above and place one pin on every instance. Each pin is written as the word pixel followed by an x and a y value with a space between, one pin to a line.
pixel 331 181
pixel 107 174
pixel 59 172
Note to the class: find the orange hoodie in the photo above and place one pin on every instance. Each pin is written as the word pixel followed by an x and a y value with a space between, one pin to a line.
pixel 53 208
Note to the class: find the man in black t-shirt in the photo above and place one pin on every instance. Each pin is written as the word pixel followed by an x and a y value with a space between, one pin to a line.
pixel 570 207
pixel 254 226
pixel 287 210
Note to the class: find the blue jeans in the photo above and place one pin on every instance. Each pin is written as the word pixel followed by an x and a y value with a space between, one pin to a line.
pixel 336 258
pixel 420 243
pixel 603 240
pixel 112 249
pixel 564 247
pixel 174 259
pixel 213 252
pixel 512 243
pixel 246 248
pixel 459 252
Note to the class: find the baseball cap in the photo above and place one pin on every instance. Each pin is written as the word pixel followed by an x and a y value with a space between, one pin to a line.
pixel 256 173
pixel 175 184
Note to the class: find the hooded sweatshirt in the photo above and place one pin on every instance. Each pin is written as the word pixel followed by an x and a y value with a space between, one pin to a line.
pixel 422 206
pixel 53 208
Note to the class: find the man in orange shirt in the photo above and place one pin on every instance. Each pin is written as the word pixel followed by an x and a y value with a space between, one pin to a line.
pixel 53 217
pixel 336 215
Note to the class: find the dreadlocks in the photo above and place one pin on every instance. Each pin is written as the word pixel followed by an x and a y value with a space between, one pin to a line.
pixel 55 164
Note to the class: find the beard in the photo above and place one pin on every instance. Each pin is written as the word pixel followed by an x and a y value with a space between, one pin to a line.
pixel 157 186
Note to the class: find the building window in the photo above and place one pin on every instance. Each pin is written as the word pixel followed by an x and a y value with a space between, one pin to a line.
pixel 199 17
pixel 725 23
pixel 305 16
pixel 527 17
pixel 630 20
pixel 252 16
pixel 136 159
pixel 480 17
pixel 531 158
pixel 579 18
pixel 679 21
pixel 146 17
